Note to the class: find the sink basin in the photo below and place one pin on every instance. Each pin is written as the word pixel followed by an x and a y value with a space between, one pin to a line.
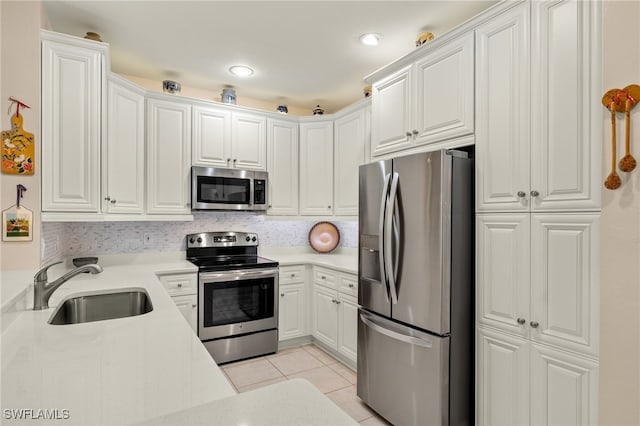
pixel 102 306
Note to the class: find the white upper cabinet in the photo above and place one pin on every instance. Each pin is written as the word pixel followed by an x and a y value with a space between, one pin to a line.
pixel 316 168
pixel 73 76
pixel 444 86
pixel 226 138
pixel 349 153
pixel 502 112
pixel 123 161
pixel 282 161
pixel 249 141
pixel 391 108
pixel 566 134
pixel 538 150
pixel 425 102
pixel 168 156
pixel 211 136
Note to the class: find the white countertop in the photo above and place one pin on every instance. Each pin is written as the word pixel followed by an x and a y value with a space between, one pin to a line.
pixel 132 370
pixel 119 371
pixel 293 402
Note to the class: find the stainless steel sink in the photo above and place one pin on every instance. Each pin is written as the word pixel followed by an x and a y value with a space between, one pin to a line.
pixel 102 306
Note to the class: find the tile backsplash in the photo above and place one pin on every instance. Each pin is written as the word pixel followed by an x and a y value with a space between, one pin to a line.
pixel 88 238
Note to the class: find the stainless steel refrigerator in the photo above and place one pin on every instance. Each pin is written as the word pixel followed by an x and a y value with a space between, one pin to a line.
pixel 416 288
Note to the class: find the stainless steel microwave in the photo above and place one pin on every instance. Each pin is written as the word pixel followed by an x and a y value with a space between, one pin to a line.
pixel 216 188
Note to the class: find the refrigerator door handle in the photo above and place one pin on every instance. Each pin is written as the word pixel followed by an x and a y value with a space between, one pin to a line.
pixel 388 252
pixel 412 340
pixel 381 245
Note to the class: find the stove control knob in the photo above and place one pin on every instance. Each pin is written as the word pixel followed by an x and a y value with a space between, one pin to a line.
pixel 248 238
pixel 199 239
pixel 192 240
pixel 254 239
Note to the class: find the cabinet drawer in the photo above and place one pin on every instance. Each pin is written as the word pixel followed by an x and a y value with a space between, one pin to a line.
pixel 348 285
pixel 177 284
pixel 325 277
pixel 292 274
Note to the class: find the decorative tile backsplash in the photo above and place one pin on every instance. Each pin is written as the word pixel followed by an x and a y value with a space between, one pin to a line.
pixel 88 238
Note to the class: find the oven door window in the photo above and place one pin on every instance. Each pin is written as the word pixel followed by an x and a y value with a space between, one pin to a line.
pixel 232 302
pixel 223 190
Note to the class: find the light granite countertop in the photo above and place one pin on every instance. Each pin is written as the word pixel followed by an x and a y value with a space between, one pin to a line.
pixel 149 368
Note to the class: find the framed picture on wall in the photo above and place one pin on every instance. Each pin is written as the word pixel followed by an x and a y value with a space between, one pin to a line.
pixel 17 224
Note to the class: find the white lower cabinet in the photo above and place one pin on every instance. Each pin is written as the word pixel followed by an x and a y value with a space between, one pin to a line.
pixel 188 307
pixel 292 312
pixel 522 383
pixel 183 289
pixel 335 313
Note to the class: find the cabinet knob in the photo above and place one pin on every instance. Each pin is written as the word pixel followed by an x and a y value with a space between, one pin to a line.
pixel 179 285
pixel 534 193
pixel 282 294
pixel 333 300
pixel 521 321
pixel 107 198
pixel 534 324
pixel 194 305
pixel 228 161
pixel 415 133
pixel 270 206
pixel 234 161
pixel 337 302
pixel 521 194
pixel 408 134
pixel 323 277
pixel 293 275
pixel 328 207
pixel 350 285
pixel 113 201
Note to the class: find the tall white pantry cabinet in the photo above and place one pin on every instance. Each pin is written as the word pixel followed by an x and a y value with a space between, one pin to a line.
pixel 538 131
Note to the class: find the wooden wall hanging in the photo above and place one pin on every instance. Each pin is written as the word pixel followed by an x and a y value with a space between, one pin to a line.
pixel 18 145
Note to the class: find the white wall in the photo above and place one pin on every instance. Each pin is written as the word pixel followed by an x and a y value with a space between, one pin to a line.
pixel 620 237
pixel 20 75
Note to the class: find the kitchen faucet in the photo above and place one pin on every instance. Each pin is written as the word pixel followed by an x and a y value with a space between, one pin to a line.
pixel 43 289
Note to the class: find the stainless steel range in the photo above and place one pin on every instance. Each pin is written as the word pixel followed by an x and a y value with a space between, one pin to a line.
pixel 237 295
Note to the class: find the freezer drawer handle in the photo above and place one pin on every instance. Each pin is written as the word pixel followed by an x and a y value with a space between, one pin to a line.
pixel 395 335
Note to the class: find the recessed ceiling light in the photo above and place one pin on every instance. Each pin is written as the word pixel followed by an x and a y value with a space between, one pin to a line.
pixel 370 39
pixel 241 70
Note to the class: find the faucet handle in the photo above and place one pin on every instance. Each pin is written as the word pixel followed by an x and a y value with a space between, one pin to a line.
pixel 41 275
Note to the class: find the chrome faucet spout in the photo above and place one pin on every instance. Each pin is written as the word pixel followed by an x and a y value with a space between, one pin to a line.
pixel 43 289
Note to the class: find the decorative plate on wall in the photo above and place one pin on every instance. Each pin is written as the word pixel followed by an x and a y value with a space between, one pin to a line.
pixel 324 237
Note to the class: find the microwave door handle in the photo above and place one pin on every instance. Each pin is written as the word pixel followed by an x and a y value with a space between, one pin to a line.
pixel 381 257
pixel 388 231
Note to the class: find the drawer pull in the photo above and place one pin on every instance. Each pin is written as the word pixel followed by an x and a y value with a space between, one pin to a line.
pixel 293 275
pixel 282 294
pixel 323 277
pixel 179 285
pixel 350 285
pixel 194 305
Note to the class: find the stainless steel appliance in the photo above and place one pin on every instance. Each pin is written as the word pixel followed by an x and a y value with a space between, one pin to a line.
pixel 416 288
pixel 237 295
pixel 216 188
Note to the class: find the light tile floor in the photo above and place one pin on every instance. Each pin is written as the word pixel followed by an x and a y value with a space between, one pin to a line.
pixel 308 362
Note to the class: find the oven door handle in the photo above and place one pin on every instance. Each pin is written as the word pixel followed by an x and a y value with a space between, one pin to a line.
pixel 237 275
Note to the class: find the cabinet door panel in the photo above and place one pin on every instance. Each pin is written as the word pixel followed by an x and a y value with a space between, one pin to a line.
pixel 168 156
pixel 211 137
pixel 502 388
pixel 325 316
pixel 71 115
pixel 502 276
pixel 444 107
pixel 291 311
pixel 249 141
pixel 564 389
pixel 564 280
pixel 391 113
pixel 282 162
pixel 349 142
pixel 124 163
pixel 188 307
pixel 316 168
pixel 502 112
pixel 348 326
pixel 566 130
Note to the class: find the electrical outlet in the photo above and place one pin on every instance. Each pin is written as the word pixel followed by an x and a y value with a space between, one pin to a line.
pixel 146 238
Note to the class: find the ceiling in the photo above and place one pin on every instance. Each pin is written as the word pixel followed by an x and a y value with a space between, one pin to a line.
pixel 303 52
